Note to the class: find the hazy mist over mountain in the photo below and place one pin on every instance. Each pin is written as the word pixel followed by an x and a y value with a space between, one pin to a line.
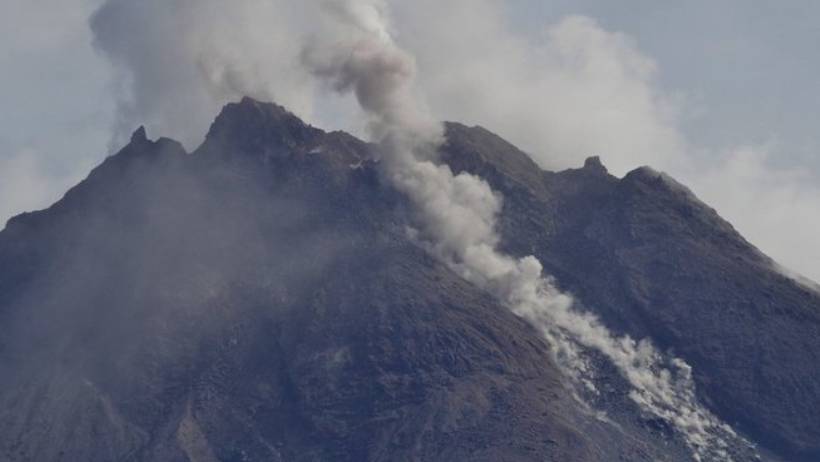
pixel 722 96
pixel 253 287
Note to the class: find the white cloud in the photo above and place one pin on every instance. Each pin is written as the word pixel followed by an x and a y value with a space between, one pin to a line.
pixel 777 208
pixel 456 216
pixel 179 62
pixel 582 91
pixel 578 90
pixel 53 123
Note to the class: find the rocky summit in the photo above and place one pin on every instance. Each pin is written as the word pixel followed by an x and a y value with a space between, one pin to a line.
pixel 261 299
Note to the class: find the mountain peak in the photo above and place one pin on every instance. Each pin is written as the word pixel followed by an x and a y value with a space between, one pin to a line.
pixel 593 164
pixel 257 126
pixel 267 286
pixel 139 135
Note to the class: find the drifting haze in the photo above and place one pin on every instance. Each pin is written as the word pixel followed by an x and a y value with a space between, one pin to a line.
pixel 50 78
pixel 456 218
pixel 177 63
pixel 575 90
pixel 582 90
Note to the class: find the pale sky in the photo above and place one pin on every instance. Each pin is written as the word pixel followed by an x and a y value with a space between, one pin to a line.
pixel 740 79
pixel 749 67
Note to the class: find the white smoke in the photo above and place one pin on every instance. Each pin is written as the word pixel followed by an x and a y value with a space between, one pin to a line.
pixel 579 90
pixel 457 214
pixel 179 62
pixel 184 59
pixel 575 92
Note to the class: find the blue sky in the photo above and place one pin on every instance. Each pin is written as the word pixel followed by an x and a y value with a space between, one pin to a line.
pixel 727 90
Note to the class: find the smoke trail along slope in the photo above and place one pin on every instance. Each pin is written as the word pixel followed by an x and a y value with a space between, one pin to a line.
pixel 456 218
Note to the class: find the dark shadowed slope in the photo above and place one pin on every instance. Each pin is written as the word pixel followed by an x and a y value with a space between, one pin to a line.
pixel 259 299
pixel 645 254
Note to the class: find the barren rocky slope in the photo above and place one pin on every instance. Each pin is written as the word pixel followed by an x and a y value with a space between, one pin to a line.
pixel 259 299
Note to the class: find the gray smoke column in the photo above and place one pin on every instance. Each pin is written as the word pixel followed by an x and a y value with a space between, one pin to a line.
pixel 456 219
pixel 182 59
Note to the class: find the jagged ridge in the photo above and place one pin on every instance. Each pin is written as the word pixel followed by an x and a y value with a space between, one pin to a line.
pixel 260 297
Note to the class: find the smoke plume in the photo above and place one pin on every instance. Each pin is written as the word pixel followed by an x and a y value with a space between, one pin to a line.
pixel 457 214
pixel 179 62
pixel 578 90
pixel 177 76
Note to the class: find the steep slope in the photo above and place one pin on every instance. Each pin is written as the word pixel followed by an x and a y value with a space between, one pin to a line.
pixel 259 299
pixel 653 261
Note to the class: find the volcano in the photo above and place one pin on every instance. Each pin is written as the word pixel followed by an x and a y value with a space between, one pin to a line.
pixel 261 299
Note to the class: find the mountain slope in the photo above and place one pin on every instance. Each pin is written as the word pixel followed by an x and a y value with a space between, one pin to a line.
pixel 259 299
pixel 655 262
